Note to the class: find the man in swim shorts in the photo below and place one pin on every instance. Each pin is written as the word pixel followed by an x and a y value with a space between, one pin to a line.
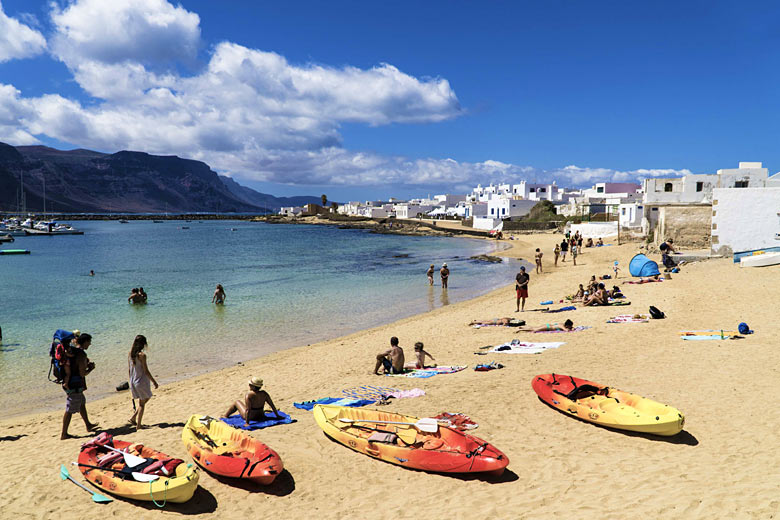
pixel 76 383
pixel 392 360
pixel 521 287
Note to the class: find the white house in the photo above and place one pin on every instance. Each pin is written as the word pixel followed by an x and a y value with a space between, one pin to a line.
pixel 502 208
pixel 746 219
pixel 476 209
pixel 630 214
pixel 411 210
pixel 290 211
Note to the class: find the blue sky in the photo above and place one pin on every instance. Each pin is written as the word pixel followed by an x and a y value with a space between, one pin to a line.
pixel 568 91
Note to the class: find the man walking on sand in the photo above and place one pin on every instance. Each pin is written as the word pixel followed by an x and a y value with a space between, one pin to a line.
pixel 75 385
pixel 521 287
pixel 392 360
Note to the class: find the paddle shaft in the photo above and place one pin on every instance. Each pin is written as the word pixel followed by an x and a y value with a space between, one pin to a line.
pixel 425 424
pixel 96 497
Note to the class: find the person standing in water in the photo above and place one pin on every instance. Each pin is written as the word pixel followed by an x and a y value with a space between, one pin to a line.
pixel 429 273
pixel 140 379
pixel 219 295
pixel 445 275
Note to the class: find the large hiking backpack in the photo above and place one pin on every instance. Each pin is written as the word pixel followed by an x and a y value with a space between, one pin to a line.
pixel 57 355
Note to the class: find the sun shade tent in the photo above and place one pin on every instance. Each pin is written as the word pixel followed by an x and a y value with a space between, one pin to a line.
pixel 640 265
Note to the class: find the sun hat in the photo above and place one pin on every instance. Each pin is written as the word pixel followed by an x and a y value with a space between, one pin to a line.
pixel 76 332
pixel 256 382
pixel 444 264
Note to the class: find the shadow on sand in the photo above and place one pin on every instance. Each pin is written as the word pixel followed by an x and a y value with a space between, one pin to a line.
pixel 201 502
pixel 13 437
pixel 126 429
pixel 282 486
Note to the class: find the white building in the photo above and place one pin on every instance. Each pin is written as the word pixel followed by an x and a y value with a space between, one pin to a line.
pixel 476 209
pixel 501 208
pixel 411 210
pixel 290 211
pixel 630 214
pixel 746 219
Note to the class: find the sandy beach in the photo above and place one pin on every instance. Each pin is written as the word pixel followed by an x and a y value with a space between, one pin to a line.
pixel 723 465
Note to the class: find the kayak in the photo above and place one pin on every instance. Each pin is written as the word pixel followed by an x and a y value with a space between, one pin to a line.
pixel 606 406
pixel 229 452
pixel 14 252
pixel 177 488
pixel 760 260
pixel 444 451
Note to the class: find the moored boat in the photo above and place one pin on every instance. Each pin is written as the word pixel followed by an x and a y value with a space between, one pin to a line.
pixel 760 260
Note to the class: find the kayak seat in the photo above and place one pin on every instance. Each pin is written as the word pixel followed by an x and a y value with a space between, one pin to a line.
pixel 383 437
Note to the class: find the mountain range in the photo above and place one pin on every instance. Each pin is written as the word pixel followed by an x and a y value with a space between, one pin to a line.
pixel 133 182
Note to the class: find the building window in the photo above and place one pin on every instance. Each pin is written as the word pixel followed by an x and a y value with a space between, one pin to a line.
pixel 623 210
pixel 503 211
pixel 600 189
pixel 492 211
pixel 668 186
pixel 741 184
pixel 655 209
pixel 532 190
pixel 543 190
pixel 699 186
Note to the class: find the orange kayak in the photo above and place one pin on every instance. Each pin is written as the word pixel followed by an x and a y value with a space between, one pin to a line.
pixel 178 487
pixel 444 451
pixel 229 452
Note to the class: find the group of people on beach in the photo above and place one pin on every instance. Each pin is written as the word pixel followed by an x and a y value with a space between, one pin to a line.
pixel 392 361
pixel 444 272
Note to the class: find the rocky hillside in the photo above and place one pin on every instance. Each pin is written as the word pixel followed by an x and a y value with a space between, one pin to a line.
pixel 87 181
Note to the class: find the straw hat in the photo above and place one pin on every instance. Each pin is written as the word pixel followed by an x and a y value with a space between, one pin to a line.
pixel 256 382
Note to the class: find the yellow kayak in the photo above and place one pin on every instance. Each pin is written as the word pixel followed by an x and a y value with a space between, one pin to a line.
pixel 606 406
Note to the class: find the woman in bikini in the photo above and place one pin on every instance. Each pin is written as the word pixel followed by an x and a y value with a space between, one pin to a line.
pixel 568 326
pixel 252 407
pixel 499 322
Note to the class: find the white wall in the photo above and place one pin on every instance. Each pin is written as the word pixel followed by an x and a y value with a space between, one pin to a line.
pixel 745 219
pixel 485 223
pixel 595 229
pixel 630 215
pixel 506 208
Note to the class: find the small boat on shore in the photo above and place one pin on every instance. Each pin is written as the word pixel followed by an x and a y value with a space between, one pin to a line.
pixel 14 251
pixel 157 221
pixel 395 438
pixel 226 451
pixel 760 260
pixel 124 221
pixel 6 238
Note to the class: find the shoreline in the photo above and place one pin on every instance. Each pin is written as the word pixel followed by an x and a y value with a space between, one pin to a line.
pixel 666 478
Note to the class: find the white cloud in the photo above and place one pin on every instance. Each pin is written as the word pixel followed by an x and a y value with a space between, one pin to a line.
pixel 18 40
pixel 248 112
pixel 116 31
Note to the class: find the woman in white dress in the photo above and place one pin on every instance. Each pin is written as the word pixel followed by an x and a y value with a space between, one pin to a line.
pixel 140 378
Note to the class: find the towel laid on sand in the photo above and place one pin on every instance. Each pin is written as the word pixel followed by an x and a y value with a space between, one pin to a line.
pixel 428 372
pixel 524 347
pixel 338 401
pixel 575 329
pixel 236 421
pixel 618 303
pixel 376 393
pixel 406 394
pixel 705 338
pixel 562 309
pixel 629 318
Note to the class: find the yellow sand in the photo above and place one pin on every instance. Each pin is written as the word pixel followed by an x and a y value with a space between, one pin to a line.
pixel 725 464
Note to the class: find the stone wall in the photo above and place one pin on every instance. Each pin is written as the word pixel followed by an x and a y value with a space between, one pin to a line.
pixel 689 226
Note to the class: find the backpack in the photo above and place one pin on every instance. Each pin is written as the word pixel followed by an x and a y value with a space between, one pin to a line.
pixel 656 314
pixel 58 355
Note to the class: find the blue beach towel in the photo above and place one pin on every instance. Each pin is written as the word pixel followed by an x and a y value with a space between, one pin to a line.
pixel 236 421
pixel 338 401
pixel 562 309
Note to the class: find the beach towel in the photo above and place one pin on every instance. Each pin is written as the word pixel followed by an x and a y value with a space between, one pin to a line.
pixel 705 338
pixel 457 421
pixel 645 281
pixel 486 367
pixel 562 309
pixel 338 401
pixel 708 332
pixel 617 303
pixel 523 347
pixel 575 329
pixel 629 318
pixel 236 421
pixel 376 393
pixel 406 394
pixel 424 373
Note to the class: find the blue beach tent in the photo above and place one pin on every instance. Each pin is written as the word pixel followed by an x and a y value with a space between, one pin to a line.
pixel 640 265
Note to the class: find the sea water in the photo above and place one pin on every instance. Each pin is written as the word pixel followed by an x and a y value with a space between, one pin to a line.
pixel 286 285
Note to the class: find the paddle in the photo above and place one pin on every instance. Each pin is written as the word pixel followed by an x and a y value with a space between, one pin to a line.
pixel 96 497
pixel 426 424
pixel 140 477
pixel 130 459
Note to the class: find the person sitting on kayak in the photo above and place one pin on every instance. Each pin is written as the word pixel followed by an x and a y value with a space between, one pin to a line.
pixel 568 326
pixel 252 407
pixel 392 360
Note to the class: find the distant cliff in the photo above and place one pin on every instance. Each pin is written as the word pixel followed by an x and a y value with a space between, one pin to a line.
pixel 264 200
pixel 87 181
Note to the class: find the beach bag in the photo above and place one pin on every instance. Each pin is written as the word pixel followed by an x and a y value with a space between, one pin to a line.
pixel 656 314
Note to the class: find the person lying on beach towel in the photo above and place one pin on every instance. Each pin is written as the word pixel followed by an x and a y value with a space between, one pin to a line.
pixel 562 309
pixel 568 325
pixel 497 322
pixel 647 279
pixel 628 318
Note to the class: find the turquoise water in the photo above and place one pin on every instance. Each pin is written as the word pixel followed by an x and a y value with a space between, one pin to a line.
pixel 286 285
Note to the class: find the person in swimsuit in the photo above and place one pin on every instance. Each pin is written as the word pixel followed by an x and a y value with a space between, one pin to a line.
pixel 445 275
pixel 499 322
pixel 392 360
pixel 421 353
pixel 252 407
pixel 429 273
pixel 579 294
pixel 140 379
pixel 538 258
pixel 568 325
pixel 135 297
pixel 557 253
pixel 219 295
